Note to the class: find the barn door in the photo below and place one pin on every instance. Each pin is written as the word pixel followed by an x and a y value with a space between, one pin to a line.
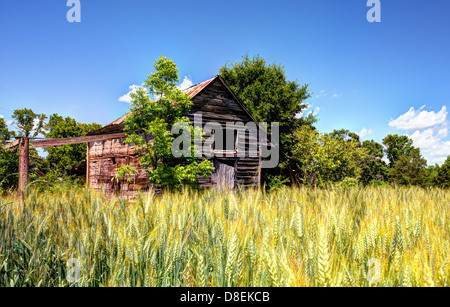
pixel 224 175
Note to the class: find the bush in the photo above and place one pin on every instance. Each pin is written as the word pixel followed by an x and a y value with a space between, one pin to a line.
pixel 349 182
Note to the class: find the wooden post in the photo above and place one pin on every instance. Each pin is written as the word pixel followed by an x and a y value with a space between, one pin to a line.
pixel 24 146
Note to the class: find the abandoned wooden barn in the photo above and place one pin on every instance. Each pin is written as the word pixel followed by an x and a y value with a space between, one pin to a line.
pixel 215 102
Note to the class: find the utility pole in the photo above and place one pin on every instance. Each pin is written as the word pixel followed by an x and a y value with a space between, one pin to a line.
pixel 24 148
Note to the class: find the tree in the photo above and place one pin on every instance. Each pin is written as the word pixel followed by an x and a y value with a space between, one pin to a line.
pixel 149 127
pixel 345 135
pixel 343 155
pixel 409 169
pixel 397 146
pixel 432 173
pixel 9 165
pixel 374 169
pixel 323 158
pixel 9 161
pixel 29 123
pixel 443 176
pixel 305 153
pixel 5 133
pixel 63 159
pixel 267 93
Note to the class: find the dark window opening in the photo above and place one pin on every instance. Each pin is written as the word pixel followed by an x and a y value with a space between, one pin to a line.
pixel 226 142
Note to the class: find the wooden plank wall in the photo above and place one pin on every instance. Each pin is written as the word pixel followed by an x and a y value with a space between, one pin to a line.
pixel 104 158
pixel 216 104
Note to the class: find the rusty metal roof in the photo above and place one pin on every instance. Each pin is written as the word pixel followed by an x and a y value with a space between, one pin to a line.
pixel 195 89
pixel 191 92
pixel 119 120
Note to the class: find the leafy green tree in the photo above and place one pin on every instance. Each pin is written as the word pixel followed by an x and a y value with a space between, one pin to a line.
pixel 266 92
pixel 63 159
pixel 29 124
pixel 149 127
pixel 397 146
pixel 374 169
pixel 443 177
pixel 409 169
pixel 323 158
pixel 9 166
pixel 9 161
pixel 432 173
pixel 345 135
pixel 305 153
pixel 5 133
pixel 343 156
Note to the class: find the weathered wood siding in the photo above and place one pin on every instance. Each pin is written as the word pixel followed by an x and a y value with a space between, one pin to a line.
pixel 104 158
pixel 216 104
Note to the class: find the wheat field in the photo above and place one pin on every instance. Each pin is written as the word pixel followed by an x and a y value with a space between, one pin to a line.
pixel 345 237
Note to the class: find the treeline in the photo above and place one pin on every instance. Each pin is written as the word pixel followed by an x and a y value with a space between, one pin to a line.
pixel 58 164
pixel 340 157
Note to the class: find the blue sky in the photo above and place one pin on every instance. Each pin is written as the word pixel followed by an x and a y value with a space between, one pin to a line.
pixel 362 75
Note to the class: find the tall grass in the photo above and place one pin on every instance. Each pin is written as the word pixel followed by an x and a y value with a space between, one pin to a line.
pixel 294 237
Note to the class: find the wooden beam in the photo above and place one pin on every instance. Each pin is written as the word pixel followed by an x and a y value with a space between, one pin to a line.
pixel 67 141
pixel 24 147
pixel 77 140
pixel 11 145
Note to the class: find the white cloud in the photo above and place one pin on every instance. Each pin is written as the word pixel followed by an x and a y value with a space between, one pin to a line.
pixel 420 119
pixel 364 132
pixel 440 160
pixel 36 122
pixel 127 97
pixel 322 93
pixel 431 142
pixel 1 116
pixel 310 108
pixel 187 83
pixel 430 132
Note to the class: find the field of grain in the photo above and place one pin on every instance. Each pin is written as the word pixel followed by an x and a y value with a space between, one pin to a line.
pixel 293 237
